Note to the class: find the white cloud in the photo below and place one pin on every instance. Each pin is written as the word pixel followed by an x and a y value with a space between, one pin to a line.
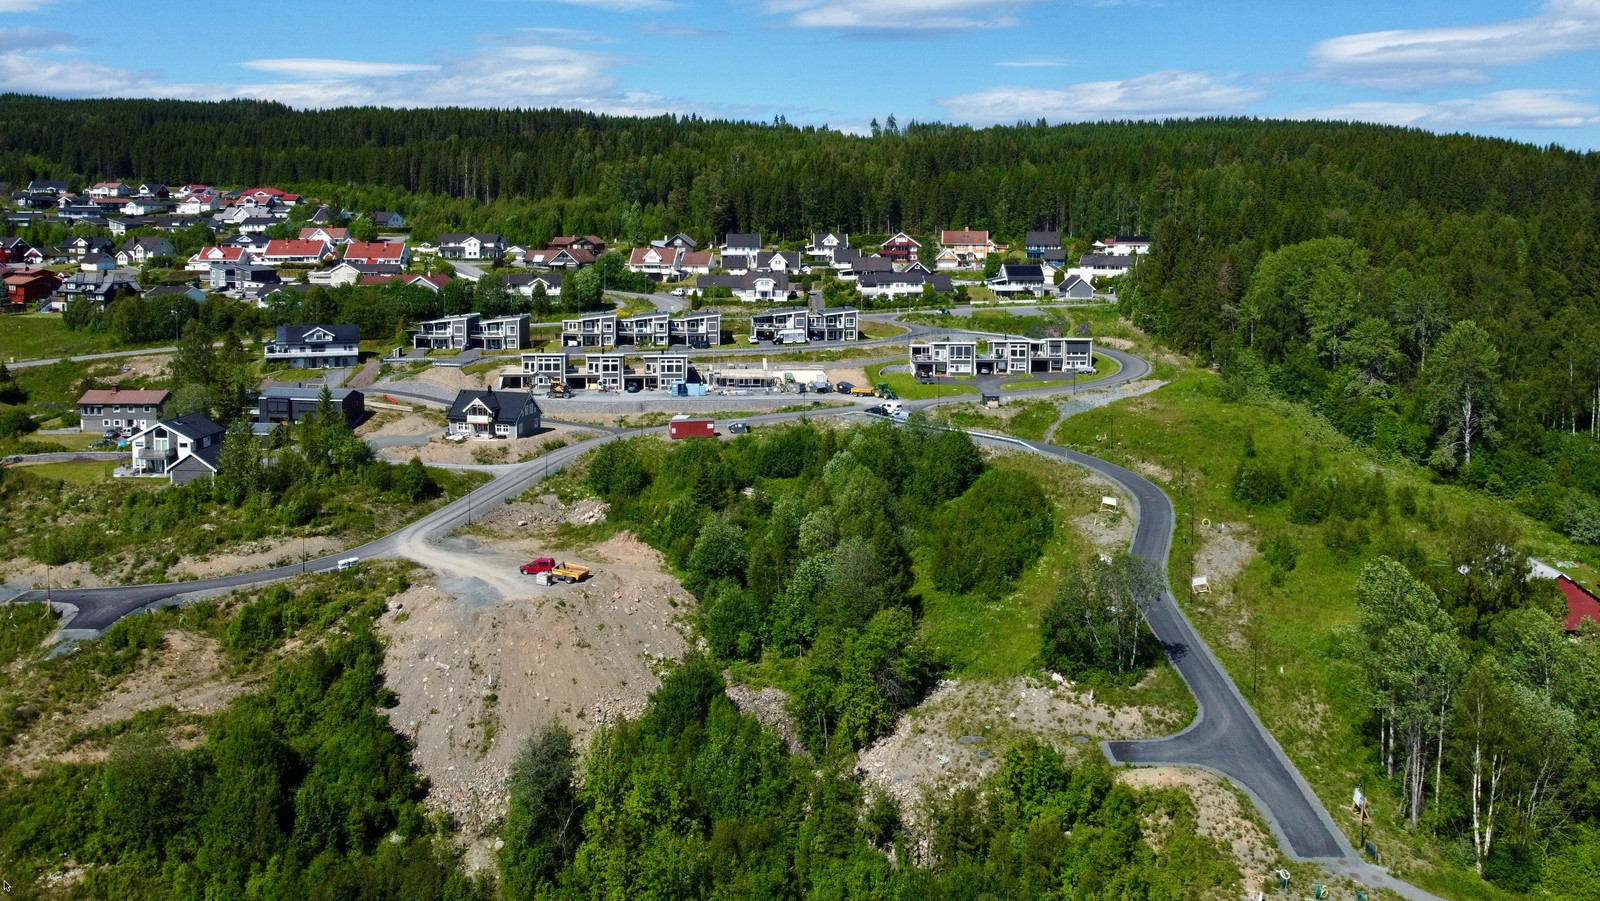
pixel 335 68
pixel 1032 63
pixel 1158 95
pixel 23 6
pixel 1511 109
pixel 1459 54
pixel 495 75
pixel 885 16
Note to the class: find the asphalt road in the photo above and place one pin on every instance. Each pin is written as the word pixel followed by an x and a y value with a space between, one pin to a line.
pixel 1226 737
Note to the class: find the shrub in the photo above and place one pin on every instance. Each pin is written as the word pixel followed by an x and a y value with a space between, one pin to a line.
pixel 1258 483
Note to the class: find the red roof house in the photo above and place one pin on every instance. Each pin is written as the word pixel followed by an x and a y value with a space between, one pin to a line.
pixel 390 252
pixel 30 285
pixel 1581 605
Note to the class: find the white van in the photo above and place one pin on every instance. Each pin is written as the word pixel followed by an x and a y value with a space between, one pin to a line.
pixel 891 407
pixel 348 562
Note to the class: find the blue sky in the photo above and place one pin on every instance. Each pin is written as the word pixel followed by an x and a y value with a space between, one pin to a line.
pixel 1524 70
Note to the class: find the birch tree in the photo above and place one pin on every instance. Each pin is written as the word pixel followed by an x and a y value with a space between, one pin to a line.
pixel 1463 391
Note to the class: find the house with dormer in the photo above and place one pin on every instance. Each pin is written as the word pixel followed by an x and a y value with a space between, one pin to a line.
pixel 314 347
pixel 901 248
pixel 824 245
pixel 656 262
pixel 472 246
pixel 965 249
pixel 109 189
pixel 493 414
pixel 201 262
pixel 139 251
pixel 736 246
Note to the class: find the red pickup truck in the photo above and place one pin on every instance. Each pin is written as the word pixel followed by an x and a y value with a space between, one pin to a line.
pixel 560 572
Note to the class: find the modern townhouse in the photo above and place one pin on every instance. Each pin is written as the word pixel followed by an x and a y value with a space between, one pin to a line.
pixel 700 328
pixel 1015 354
pixel 786 326
pixel 597 330
pixel 314 346
pixel 645 328
pixel 604 371
pixel 541 370
pixel 833 324
pixel 661 372
pixel 471 330
pixel 931 358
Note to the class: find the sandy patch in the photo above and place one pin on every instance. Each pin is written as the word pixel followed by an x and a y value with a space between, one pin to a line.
pixel 263 554
pixel 1221 816
pixel 24 574
pixel 956 737
pixel 186 674
pixel 438 450
pixel 1115 343
pixel 482 656
pixel 451 377
pixel 154 366
pixel 388 424
pixel 1153 471
pixel 854 375
pixel 1225 550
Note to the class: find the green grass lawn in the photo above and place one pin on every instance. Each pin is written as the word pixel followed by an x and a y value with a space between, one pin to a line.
pixel 72 441
pixel 871 330
pixel 1104 366
pixel 37 336
pixel 632 306
pixel 1305 684
pixel 83 473
pixel 908 388
pixel 1029 419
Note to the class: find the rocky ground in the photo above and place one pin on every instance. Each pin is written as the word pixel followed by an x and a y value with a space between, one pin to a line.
pixel 480 657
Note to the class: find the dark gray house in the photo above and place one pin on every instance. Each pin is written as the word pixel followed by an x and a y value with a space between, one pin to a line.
pixel 315 346
pixel 493 414
pixel 293 404
pixel 183 449
pixel 1036 243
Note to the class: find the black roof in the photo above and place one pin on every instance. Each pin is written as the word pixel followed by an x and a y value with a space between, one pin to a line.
pixel 740 240
pixel 506 406
pixel 1034 239
pixel 295 334
pixel 194 426
pixel 1022 270
pixel 1108 260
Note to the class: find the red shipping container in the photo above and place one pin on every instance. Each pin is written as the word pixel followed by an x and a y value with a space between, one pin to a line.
pixel 691 428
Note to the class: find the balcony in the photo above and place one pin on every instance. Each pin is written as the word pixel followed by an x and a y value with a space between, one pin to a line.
pixel 479 419
pixel 154 453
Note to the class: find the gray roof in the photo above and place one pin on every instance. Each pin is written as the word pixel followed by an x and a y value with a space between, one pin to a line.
pixel 740 240
pixel 338 394
pixel 1105 260
pixel 1045 238
pixel 507 406
pixel 295 334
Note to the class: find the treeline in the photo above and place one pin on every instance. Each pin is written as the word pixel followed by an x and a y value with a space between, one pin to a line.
pixel 536 173
pixel 801 544
pixel 695 800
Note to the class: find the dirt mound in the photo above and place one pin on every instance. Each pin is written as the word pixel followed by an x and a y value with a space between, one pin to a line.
pixel 483 656
pixel 769 706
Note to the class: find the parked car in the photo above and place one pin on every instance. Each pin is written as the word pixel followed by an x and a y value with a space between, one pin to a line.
pixel 633 388
pixel 677 292
pixel 701 344
pixel 876 411
pixel 738 427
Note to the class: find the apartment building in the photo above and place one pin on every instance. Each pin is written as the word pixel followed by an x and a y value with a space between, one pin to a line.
pixel 944 357
pixel 833 324
pixel 472 330
pixel 597 330
pixel 789 325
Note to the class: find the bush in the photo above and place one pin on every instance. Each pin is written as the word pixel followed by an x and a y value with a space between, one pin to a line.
pixel 1580 518
pixel 1258 483
pixel 16 422
pixel 1095 626
pixel 989 535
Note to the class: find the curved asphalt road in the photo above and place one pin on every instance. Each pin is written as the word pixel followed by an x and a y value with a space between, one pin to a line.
pixel 1226 737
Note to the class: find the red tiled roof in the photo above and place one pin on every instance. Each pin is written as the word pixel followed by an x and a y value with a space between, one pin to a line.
pixel 288 248
pixel 963 236
pixel 220 254
pixel 375 250
pixel 1581 604
pixel 113 396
